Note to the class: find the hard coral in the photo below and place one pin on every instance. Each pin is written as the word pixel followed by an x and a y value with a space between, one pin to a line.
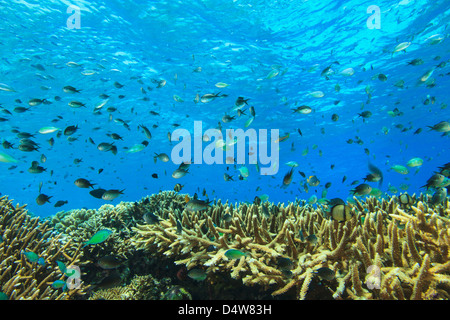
pixel 382 252
pixel 22 279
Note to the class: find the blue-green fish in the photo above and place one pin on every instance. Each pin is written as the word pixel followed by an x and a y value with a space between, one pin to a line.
pixel 41 261
pixel 58 284
pixel 62 267
pixel 99 237
pixel 31 256
pixel 234 254
pixel 3 296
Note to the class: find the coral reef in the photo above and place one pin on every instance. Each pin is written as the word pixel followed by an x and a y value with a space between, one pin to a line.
pixel 144 288
pixel 385 251
pixel 25 239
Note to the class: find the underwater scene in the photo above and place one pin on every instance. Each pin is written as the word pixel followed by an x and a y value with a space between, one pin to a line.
pixel 224 150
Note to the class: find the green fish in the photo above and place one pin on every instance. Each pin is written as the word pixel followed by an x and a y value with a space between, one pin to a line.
pixel 197 274
pixel 62 267
pixel 99 237
pixel 234 254
pixel 3 296
pixel 58 284
pixel 400 169
pixel 31 256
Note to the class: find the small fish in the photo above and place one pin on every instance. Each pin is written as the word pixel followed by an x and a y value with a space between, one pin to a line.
pixel 151 218
pixel 234 254
pixel 76 104
pixel 443 126
pixel 197 205
pixel 109 262
pixel 437 180
pixel 62 266
pixel 287 179
pixel 162 157
pixel 70 130
pixel 146 131
pixel 272 74
pixel 60 203
pixel 46 130
pixel 83 183
pixel 97 193
pixel 98 237
pixel 43 199
pixel 401 47
pixel 221 85
pixel 112 194
pixel 414 162
pixel 302 110
pixel 197 274
pixel 438 196
pixel 400 169
pixel 178 187
pixel 179 173
pixel 325 273
pixel 361 189
pixel 313 181
pixel 31 256
pixel 341 212
pixel 5 87
pixel 57 284
pixel 70 89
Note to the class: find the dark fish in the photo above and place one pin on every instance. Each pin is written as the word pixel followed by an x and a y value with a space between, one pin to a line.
pixel 150 218
pixel 83 183
pixel 325 273
pixel 240 102
pixel 97 193
pixel 110 281
pixel 70 130
pixel 104 146
pixel 362 189
pixel 284 263
pixel 60 203
pixel 287 179
pixel 109 262
pixel 43 199
pixel 197 205
pixel 70 89
pixel 155 176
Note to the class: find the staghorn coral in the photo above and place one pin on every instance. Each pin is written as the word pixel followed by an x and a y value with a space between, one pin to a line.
pixel 383 252
pixel 79 225
pixel 21 279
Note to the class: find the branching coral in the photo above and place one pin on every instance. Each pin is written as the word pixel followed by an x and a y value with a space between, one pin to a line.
pixel 21 278
pixel 382 252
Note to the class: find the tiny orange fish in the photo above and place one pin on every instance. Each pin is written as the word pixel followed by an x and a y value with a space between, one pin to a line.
pixel 186 198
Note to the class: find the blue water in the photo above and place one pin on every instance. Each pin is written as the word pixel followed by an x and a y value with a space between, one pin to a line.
pixel 238 43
